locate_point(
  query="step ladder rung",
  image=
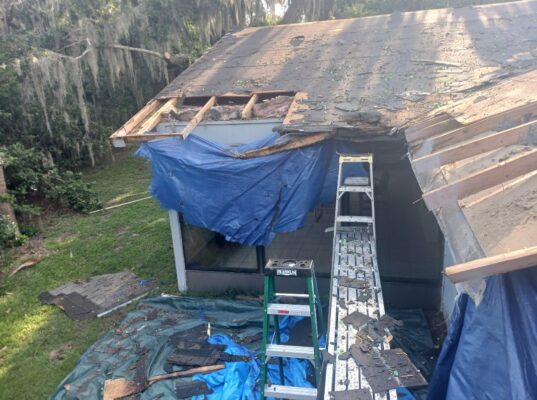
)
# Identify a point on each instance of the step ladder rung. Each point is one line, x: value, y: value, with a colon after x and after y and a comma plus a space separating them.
x: 298, y: 310
x: 282, y: 350
x: 356, y: 181
x: 362, y: 189
x: 355, y: 219
x: 297, y: 295
x: 290, y: 392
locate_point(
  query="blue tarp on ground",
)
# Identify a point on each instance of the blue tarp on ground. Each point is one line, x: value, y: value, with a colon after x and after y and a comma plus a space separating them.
x: 246, y: 200
x: 491, y: 349
x: 140, y: 343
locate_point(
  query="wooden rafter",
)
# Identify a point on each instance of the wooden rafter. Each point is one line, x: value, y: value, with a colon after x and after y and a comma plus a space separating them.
x: 247, y: 110
x: 481, y: 180
x: 154, y: 120
x: 296, y: 105
x: 474, y: 147
x: 432, y: 130
x: 494, y: 122
x: 198, y: 117
x: 427, y: 122
x: 500, y: 264
x: 141, y: 127
x: 136, y: 119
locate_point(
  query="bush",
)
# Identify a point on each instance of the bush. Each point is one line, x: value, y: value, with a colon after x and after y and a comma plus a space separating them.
x: 31, y: 177
x: 9, y: 237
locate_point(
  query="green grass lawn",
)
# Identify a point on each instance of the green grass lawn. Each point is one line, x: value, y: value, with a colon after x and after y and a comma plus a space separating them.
x: 39, y: 344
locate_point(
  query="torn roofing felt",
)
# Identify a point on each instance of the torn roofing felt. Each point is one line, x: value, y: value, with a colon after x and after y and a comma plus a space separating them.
x: 246, y: 200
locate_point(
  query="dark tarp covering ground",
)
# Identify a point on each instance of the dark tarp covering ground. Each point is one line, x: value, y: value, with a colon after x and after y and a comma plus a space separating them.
x: 491, y: 350
x: 140, y: 344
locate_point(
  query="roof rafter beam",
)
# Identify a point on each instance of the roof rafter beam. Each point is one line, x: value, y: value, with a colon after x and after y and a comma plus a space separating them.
x: 432, y: 130
x: 136, y: 119
x: 475, y: 147
x: 427, y: 122
x: 197, y: 118
x: 481, y: 180
x: 154, y: 120
x: 248, y: 108
x: 296, y: 105
x: 494, y: 122
x: 500, y: 264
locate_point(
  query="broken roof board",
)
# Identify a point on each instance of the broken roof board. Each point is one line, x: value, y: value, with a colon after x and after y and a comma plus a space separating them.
x: 484, y: 172
x: 402, y: 65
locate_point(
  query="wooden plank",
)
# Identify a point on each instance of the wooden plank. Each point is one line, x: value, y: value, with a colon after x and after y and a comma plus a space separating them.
x: 474, y: 147
x: 500, y: 264
x: 484, y: 179
x: 427, y: 122
x: 154, y: 120
x: 136, y: 119
x: 144, y: 137
x: 495, y: 122
x: 307, y: 140
x: 247, y: 110
x: 198, y: 117
x: 432, y: 130
x: 296, y: 105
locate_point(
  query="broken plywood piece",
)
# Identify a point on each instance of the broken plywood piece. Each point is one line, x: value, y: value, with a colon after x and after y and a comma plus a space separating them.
x: 98, y: 295
x: 302, y: 141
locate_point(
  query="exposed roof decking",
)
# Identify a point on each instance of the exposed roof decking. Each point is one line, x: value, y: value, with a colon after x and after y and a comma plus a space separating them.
x: 479, y: 179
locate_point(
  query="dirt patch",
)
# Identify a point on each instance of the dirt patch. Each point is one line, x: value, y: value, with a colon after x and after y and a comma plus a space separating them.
x: 59, y: 353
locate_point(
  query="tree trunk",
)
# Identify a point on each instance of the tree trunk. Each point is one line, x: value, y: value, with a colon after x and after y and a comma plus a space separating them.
x: 5, y: 207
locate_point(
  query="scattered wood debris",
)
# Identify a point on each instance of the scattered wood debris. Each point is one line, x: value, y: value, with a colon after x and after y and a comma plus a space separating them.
x: 24, y: 265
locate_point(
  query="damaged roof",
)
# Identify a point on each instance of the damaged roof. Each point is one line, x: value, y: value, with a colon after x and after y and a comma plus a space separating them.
x: 476, y: 163
x: 400, y: 66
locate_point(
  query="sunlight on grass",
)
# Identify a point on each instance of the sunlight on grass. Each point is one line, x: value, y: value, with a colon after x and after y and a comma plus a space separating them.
x: 134, y: 237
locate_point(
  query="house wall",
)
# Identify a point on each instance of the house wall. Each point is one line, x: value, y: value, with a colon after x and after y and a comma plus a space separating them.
x: 449, y: 290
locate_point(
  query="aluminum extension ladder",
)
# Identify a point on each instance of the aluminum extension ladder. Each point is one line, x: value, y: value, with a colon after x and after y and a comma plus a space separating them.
x: 354, y: 184
x: 272, y: 307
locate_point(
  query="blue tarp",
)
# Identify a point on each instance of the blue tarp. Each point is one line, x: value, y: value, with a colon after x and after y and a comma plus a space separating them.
x: 246, y: 200
x: 491, y: 349
x: 140, y: 344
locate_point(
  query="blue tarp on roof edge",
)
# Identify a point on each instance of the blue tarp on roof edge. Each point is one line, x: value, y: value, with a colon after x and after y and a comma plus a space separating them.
x: 491, y: 349
x: 246, y: 200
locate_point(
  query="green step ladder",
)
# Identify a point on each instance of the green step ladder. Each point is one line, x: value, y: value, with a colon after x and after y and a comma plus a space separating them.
x: 272, y: 307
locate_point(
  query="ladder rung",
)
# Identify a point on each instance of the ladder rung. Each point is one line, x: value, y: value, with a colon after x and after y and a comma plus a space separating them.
x: 298, y: 310
x: 282, y: 350
x: 298, y: 295
x: 290, y: 392
x: 363, y: 189
x: 356, y: 181
x: 353, y: 218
